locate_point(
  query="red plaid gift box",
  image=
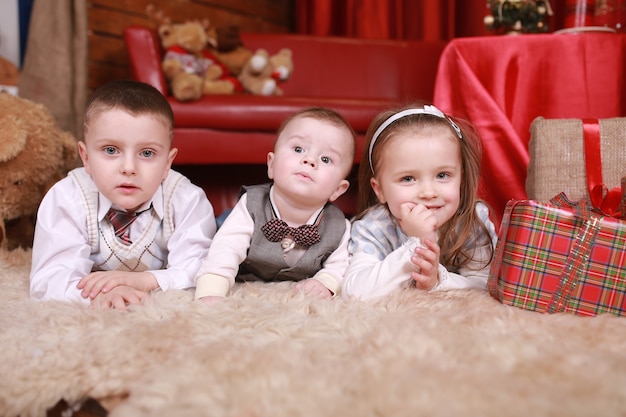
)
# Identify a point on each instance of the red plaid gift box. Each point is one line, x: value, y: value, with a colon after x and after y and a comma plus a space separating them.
x: 560, y: 257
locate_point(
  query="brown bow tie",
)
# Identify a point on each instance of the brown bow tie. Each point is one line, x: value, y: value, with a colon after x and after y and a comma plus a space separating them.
x: 276, y: 230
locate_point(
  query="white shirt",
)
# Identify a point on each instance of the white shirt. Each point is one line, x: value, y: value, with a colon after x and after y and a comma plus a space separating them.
x: 380, y: 258
x: 62, y: 252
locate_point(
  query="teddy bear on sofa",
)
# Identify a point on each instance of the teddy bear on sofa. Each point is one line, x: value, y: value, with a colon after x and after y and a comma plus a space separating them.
x: 264, y: 72
x: 204, y: 59
x: 190, y: 68
x: 34, y: 154
x: 226, y: 44
x: 258, y: 72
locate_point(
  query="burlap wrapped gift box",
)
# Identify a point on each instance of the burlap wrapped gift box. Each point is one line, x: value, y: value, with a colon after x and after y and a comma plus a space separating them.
x: 557, y: 157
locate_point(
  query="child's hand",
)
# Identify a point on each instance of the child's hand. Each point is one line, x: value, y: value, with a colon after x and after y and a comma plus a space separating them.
x: 427, y: 262
x: 118, y: 298
x: 211, y: 299
x: 104, y: 282
x: 418, y: 221
x: 314, y: 288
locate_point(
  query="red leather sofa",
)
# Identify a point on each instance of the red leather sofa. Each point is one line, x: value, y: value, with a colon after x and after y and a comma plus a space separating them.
x: 223, y: 141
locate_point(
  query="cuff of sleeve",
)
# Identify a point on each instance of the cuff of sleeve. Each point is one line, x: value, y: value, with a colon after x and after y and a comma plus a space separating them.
x: 328, y: 281
x: 210, y: 284
x: 412, y: 243
x: 443, y: 277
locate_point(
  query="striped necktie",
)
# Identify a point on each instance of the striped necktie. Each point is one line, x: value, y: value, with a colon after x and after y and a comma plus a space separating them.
x: 121, y: 221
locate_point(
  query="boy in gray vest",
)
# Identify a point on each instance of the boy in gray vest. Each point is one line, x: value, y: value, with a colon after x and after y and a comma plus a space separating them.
x: 288, y: 230
x: 125, y: 224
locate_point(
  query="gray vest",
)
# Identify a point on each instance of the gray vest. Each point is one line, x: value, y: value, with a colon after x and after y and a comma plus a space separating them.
x: 265, y: 259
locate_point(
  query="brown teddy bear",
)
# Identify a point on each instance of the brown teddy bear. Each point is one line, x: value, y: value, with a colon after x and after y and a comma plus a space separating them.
x: 263, y: 73
x: 203, y: 59
x: 34, y: 154
x: 225, y: 43
x: 190, y: 68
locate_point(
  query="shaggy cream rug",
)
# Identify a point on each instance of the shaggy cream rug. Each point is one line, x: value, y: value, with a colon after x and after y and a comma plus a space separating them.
x: 268, y: 351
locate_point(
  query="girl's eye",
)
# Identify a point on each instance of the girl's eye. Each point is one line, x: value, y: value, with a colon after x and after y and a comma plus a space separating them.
x: 325, y: 160
x: 298, y: 149
x: 407, y: 178
x: 442, y: 175
x: 147, y: 153
x: 110, y: 150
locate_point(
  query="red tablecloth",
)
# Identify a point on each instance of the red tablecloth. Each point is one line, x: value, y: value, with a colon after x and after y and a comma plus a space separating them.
x: 501, y: 83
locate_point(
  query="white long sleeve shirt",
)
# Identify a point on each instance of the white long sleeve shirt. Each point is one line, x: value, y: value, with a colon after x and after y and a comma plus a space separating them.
x: 62, y: 254
x: 380, y: 256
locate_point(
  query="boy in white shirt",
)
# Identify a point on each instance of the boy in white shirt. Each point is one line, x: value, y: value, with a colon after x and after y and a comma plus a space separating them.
x: 125, y: 224
x: 288, y: 230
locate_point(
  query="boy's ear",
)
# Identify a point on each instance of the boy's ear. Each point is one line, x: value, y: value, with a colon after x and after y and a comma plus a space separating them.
x: 342, y: 188
x: 378, y: 190
x: 84, y: 156
x: 172, y: 154
x: 270, y: 165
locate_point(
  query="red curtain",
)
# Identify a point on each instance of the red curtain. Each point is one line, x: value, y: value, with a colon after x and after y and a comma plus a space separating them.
x: 402, y: 19
x: 377, y: 19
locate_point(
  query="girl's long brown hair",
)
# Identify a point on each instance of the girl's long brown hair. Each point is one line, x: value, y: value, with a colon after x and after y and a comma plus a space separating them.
x: 457, y: 236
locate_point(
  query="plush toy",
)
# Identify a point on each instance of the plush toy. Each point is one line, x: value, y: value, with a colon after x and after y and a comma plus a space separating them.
x: 203, y: 59
x: 190, y: 68
x: 282, y: 65
x: 34, y: 154
x: 263, y: 73
x: 225, y: 43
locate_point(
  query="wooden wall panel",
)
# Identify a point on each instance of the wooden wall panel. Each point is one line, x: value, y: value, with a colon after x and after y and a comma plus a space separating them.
x: 107, y: 19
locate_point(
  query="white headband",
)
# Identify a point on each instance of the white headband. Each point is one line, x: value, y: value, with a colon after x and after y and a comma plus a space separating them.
x: 432, y: 110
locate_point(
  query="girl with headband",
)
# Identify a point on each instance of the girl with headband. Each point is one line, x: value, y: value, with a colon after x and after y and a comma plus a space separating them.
x: 420, y: 222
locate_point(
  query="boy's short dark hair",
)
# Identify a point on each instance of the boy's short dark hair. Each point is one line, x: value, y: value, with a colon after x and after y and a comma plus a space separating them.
x: 132, y: 96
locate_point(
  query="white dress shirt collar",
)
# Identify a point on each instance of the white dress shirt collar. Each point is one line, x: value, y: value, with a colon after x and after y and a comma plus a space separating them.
x: 312, y: 219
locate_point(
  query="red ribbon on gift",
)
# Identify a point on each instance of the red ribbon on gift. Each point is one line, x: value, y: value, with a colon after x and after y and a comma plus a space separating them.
x: 607, y: 201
